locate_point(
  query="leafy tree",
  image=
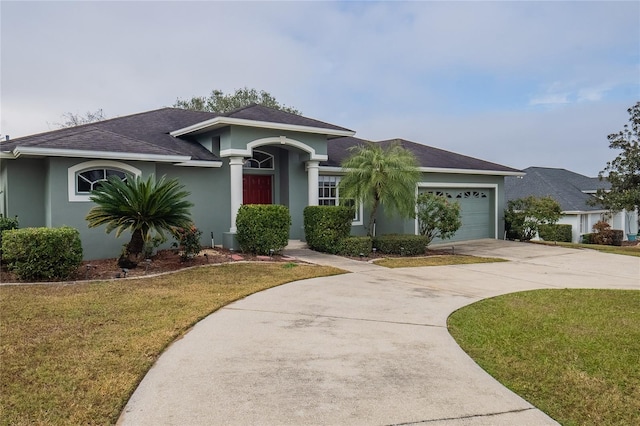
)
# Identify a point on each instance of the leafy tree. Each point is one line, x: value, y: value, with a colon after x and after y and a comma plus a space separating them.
x: 141, y: 207
x: 623, y: 172
x: 218, y: 102
x: 72, y: 120
x: 524, y: 216
x: 381, y: 176
x: 437, y: 217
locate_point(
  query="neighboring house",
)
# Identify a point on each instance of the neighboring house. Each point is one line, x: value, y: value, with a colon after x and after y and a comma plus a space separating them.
x: 252, y: 155
x: 572, y: 191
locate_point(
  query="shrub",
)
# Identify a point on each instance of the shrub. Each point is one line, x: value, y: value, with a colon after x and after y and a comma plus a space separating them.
x: 402, y: 244
x: 326, y: 226
x: 617, y: 235
x: 604, y: 235
x: 7, y: 223
x: 555, y: 233
x: 354, y: 246
x: 524, y: 216
x: 42, y: 253
x: 262, y: 227
x: 188, y: 241
x: 437, y: 217
x: 588, y: 238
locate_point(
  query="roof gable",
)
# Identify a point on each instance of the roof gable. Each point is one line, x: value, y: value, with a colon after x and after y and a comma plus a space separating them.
x: 568, y: 188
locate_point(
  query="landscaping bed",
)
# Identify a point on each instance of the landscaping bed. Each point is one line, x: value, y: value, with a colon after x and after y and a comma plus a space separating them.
x: 164, y: 261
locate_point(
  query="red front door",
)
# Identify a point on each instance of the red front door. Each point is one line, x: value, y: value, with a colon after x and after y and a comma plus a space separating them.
x: 256, y: 189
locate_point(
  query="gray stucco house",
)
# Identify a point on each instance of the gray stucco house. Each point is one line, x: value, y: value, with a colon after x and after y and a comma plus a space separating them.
x: 572, y: 191
x: 252, y: 155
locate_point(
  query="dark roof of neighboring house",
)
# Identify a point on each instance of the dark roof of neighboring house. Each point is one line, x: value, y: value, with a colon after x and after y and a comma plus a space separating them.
x: 428, y: 156
x: 566, y: 187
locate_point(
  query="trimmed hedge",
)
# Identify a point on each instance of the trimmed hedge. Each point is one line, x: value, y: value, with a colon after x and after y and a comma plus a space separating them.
x: 587, y: 239
x: 555, y: 232
x: 610, y: 237
x: 6, y: 224
x: 42, y: 253
x: 402, y: 244
x: 354, y: 246
x: 262, y: 227
x: 326, y: 226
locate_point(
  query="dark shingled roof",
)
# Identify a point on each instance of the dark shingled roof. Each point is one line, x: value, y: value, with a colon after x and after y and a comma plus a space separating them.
x: 564, y: 186
x: 428, y: 156
x: 257, y: 112
x: 143, y: 133
x: 148, y: 132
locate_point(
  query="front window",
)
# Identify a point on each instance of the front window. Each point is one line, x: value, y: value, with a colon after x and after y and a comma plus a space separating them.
x: 83, y: 178
x: 89, y: 180
x: 329, y: 195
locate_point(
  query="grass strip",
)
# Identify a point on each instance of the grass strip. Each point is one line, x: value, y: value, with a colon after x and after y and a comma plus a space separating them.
x: 575, y: 354
x: 626, y: 251
x: 448, y: 259
x: 74, y: 354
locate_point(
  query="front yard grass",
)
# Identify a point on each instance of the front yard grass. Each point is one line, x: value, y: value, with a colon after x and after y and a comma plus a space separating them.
x: 625, y: 250
x: 447, y: 259
x: 74, y: 353
x: 575, y: 354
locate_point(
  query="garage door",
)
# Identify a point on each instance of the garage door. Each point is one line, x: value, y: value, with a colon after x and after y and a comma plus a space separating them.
x: 477, y: 209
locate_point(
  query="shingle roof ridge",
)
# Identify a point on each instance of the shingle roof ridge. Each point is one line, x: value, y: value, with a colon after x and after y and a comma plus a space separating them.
x: 281, y: 111
x: 403, y: 141
x: 101, y: 122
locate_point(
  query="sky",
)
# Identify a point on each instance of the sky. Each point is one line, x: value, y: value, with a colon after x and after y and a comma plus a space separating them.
x: 516, y: 83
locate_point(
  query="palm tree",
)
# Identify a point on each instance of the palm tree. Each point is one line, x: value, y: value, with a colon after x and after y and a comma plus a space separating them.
x: 141, y: 207
x: 378, y: 175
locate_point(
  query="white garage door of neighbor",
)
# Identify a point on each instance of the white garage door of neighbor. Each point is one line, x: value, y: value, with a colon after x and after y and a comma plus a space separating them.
x: 476, y: 207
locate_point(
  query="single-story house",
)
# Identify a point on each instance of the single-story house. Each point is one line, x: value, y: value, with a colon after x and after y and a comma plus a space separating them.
x: 573, y: 191
x: 252, y: 155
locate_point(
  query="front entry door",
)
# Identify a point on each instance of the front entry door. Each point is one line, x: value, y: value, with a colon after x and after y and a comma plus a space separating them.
x: 256, y: 189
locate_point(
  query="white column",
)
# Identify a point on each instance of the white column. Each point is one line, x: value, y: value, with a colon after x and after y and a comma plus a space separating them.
x: 235, y: 168
x: 312, y: 172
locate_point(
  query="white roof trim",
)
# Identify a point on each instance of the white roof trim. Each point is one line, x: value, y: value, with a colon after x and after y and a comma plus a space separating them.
x: 469, y: 171
x: 274, y: 140
x: 335, y: 169
x: 200, y: 163
x: 105, y: 155
x: 572, y: 212
x: 218, y: 122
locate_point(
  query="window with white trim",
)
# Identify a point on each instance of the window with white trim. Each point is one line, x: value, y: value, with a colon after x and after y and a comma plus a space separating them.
x: 259, y: 160
x: 329, y: 195
x: 89, y: 180
x: 85, y: 177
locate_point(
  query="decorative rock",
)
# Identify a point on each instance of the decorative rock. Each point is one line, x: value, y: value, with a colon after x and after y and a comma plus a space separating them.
x: 236, y: 257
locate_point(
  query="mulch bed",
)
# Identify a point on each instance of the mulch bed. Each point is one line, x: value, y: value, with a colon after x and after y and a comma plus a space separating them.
x: 163, y: 261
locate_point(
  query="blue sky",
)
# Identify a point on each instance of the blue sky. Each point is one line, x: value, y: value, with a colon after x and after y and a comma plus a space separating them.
x: 516, y: 83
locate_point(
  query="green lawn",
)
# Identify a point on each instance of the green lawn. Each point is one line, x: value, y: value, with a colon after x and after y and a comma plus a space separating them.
x: 73, y: 354
x: 407, y: 262
x: 627, y: 251
x: 575, y: 354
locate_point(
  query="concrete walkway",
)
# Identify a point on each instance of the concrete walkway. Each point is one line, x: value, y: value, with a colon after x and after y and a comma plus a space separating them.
x: 369, y: 347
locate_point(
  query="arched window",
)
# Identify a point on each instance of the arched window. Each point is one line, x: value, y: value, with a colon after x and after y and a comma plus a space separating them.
x: 260, y: 160
x: 85, y: 177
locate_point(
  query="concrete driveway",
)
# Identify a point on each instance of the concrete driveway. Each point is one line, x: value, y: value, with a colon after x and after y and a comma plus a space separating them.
x: 369, y: 347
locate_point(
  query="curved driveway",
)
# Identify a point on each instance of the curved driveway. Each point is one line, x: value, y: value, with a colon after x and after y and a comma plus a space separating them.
x: 366, y: 348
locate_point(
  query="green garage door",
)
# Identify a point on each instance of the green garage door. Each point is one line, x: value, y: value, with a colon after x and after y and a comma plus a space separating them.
x: 477, y: 207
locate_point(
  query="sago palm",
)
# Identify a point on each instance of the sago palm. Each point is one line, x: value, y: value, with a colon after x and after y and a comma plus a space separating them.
x: 377, y: 175
x: 139, y: 206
